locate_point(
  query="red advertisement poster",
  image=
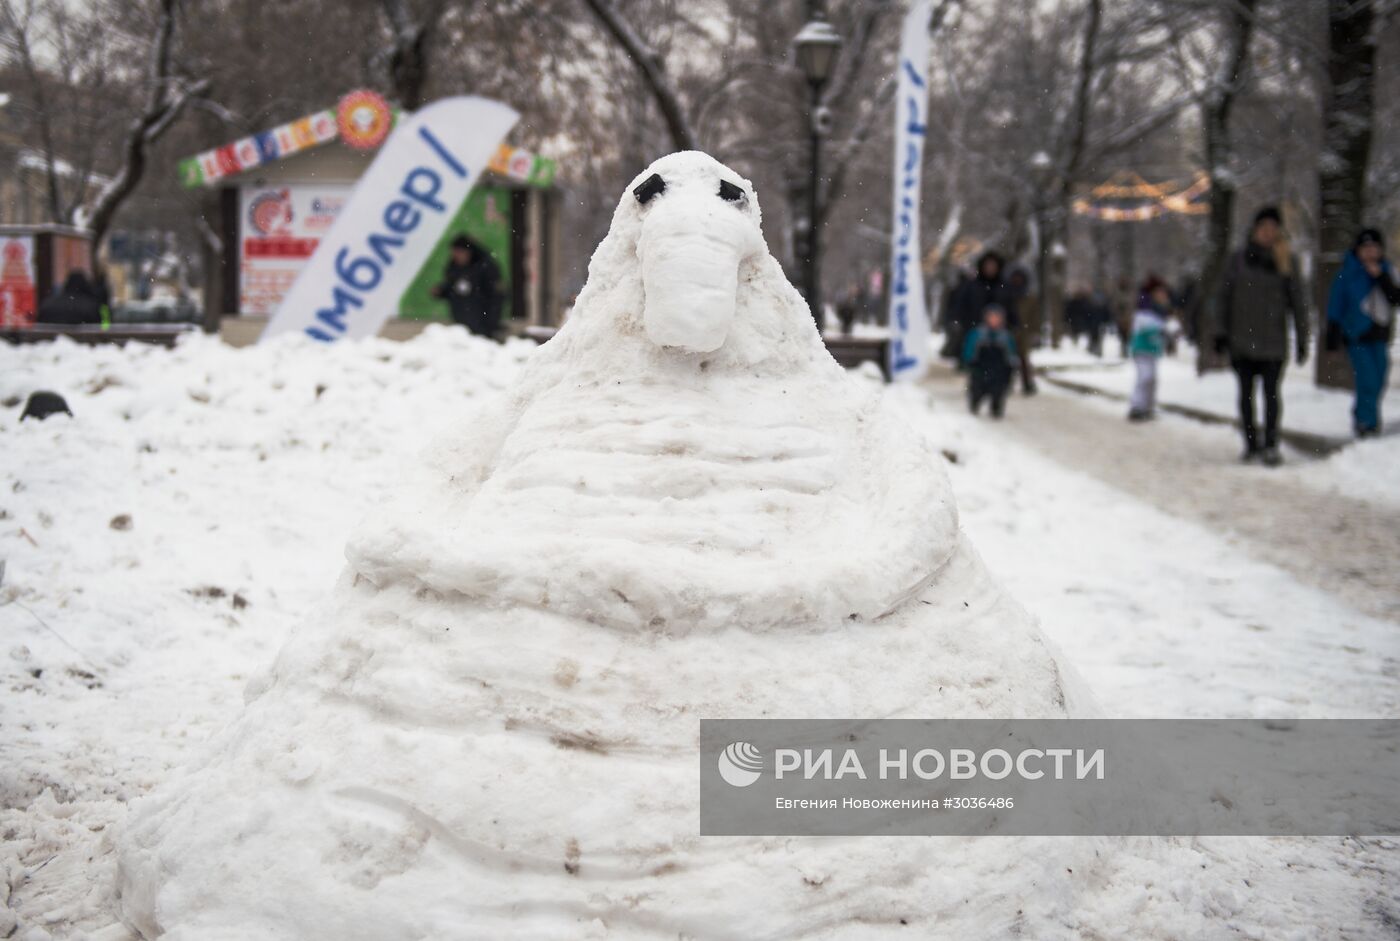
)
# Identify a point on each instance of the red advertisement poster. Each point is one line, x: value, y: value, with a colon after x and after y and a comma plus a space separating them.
x: 17, y: 300
x: 279, y: 229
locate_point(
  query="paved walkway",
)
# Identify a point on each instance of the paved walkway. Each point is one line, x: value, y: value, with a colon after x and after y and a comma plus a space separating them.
x: 1341, y: 545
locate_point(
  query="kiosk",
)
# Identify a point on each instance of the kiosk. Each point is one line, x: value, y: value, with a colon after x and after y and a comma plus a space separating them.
x: 272, y: 196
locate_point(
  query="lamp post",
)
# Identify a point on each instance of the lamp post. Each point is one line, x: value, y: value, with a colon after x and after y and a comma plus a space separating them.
x: 1042, y: 174
x: 816, y: 45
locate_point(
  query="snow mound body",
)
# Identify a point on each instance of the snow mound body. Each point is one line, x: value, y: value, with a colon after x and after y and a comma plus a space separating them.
x: 491, y: 725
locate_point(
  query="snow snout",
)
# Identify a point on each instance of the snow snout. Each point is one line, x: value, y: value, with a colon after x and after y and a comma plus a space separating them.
x: 690, y: 251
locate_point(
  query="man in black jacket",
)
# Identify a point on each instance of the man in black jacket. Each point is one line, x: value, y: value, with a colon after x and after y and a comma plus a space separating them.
x: 976, y: 295
x: 471, y: 286
x: 76, y: 302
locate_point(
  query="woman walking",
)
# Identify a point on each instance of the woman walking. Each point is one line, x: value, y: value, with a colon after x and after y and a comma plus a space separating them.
x: 1258, y: 298
x: 1362, y: 306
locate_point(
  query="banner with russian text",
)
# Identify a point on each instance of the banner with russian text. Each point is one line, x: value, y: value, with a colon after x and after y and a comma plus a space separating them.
x: 392, y: 220
x: 909, y: 326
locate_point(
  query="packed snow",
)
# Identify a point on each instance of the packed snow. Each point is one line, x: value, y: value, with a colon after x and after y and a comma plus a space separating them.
x: 456, y: 709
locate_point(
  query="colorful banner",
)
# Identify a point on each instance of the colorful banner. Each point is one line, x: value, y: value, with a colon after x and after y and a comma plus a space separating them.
x: 522, y: 166
x: 279, y: 228
x: 367, y: 118
x: 394, y: 217
x: 248, y: 152
x: 909, y: 326
x: 17, y: 289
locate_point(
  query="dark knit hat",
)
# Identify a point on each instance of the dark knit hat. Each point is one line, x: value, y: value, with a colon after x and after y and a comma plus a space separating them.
x: 1268, y: 212
x: 1368, y: 237
x: 43, y: 404
x: 1152, y: 284
x: 462, y: 241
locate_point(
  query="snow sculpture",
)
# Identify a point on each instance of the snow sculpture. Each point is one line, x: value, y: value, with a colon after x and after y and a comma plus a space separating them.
x: 683, y: 509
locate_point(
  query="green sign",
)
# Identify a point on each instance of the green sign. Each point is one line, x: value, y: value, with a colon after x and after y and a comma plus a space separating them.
x: 485, y: 219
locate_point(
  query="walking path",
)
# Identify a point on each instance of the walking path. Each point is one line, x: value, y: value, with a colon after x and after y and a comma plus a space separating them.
x: 1341, y: 545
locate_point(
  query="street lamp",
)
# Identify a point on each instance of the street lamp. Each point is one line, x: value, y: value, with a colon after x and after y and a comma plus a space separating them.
x: 1042, y: 175
x: 816, y: 45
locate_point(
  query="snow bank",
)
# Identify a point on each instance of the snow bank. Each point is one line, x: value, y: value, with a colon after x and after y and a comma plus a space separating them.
x: 1365, y: 470
x: 159, y: 546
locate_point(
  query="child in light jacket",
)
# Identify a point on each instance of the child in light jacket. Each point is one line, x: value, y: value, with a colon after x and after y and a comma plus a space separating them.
x: 1148, y: 343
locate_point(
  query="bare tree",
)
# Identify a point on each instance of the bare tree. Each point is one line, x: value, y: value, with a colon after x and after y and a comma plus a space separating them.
x: 652, y: 69
x: 1053, y: 206
x: 166, y: 96
x: 1348, y: 107
x: 1217, y: 99
x: 68, y: 104
x: 407, y: 55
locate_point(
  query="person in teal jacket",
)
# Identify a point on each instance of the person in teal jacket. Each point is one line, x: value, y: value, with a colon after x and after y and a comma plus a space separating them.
x: 989, y: 353
x: 1147, y: 345
x: 1361, y: 307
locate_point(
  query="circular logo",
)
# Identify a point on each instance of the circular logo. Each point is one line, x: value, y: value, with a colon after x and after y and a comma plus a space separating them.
x: 740, y: 764
x: 364, y: 119
x: 271, y: 212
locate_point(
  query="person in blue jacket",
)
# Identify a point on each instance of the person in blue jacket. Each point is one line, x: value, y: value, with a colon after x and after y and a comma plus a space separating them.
x: 989, y: 354
x: 1362, y: 307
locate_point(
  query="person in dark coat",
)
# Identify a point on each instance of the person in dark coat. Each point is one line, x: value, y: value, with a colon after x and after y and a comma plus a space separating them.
x: 471, y: 285
x: 76, y: 302
x: 1258, y: 299
x: 1078, y: 313
x: 951, y: 335
x: 1024, y: 317
x: 1100, y: 316
x: 1362, y: 306
x: 989, y: 353
x: 974, y: 297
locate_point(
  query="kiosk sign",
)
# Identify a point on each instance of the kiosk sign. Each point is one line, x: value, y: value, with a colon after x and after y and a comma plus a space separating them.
x: 392, y: 220
x: 17, y: 290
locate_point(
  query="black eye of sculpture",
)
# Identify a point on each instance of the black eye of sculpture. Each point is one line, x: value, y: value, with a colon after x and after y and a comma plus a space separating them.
x: 728, y: 191
x: 650, y: 188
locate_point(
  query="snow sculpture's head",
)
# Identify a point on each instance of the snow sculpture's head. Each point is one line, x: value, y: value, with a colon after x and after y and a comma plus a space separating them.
x: 699, y: 224
x: 684, y: 280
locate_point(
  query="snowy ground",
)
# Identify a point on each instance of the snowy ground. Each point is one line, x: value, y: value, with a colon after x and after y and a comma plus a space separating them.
x: 1364, y: 469
x: 160, y: 545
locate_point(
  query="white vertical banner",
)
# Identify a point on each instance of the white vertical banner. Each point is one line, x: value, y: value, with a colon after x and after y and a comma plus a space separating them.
x: 393, y: 220
x: 909, y: 327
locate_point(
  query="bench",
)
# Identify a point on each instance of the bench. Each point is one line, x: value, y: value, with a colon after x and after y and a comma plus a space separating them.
x: 160, y: 334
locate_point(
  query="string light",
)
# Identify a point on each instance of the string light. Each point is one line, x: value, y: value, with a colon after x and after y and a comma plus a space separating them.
x: 1163, y: 198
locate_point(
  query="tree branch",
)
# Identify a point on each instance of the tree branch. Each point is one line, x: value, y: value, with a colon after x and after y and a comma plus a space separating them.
x: 653, y: 72
x: 161, y: 109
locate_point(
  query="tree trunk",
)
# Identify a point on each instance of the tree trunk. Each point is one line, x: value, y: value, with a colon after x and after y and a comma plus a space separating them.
x: 1348, y: 113
x: 408, y: 50
x: 1053, y: 211
x: 1215, y: 121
